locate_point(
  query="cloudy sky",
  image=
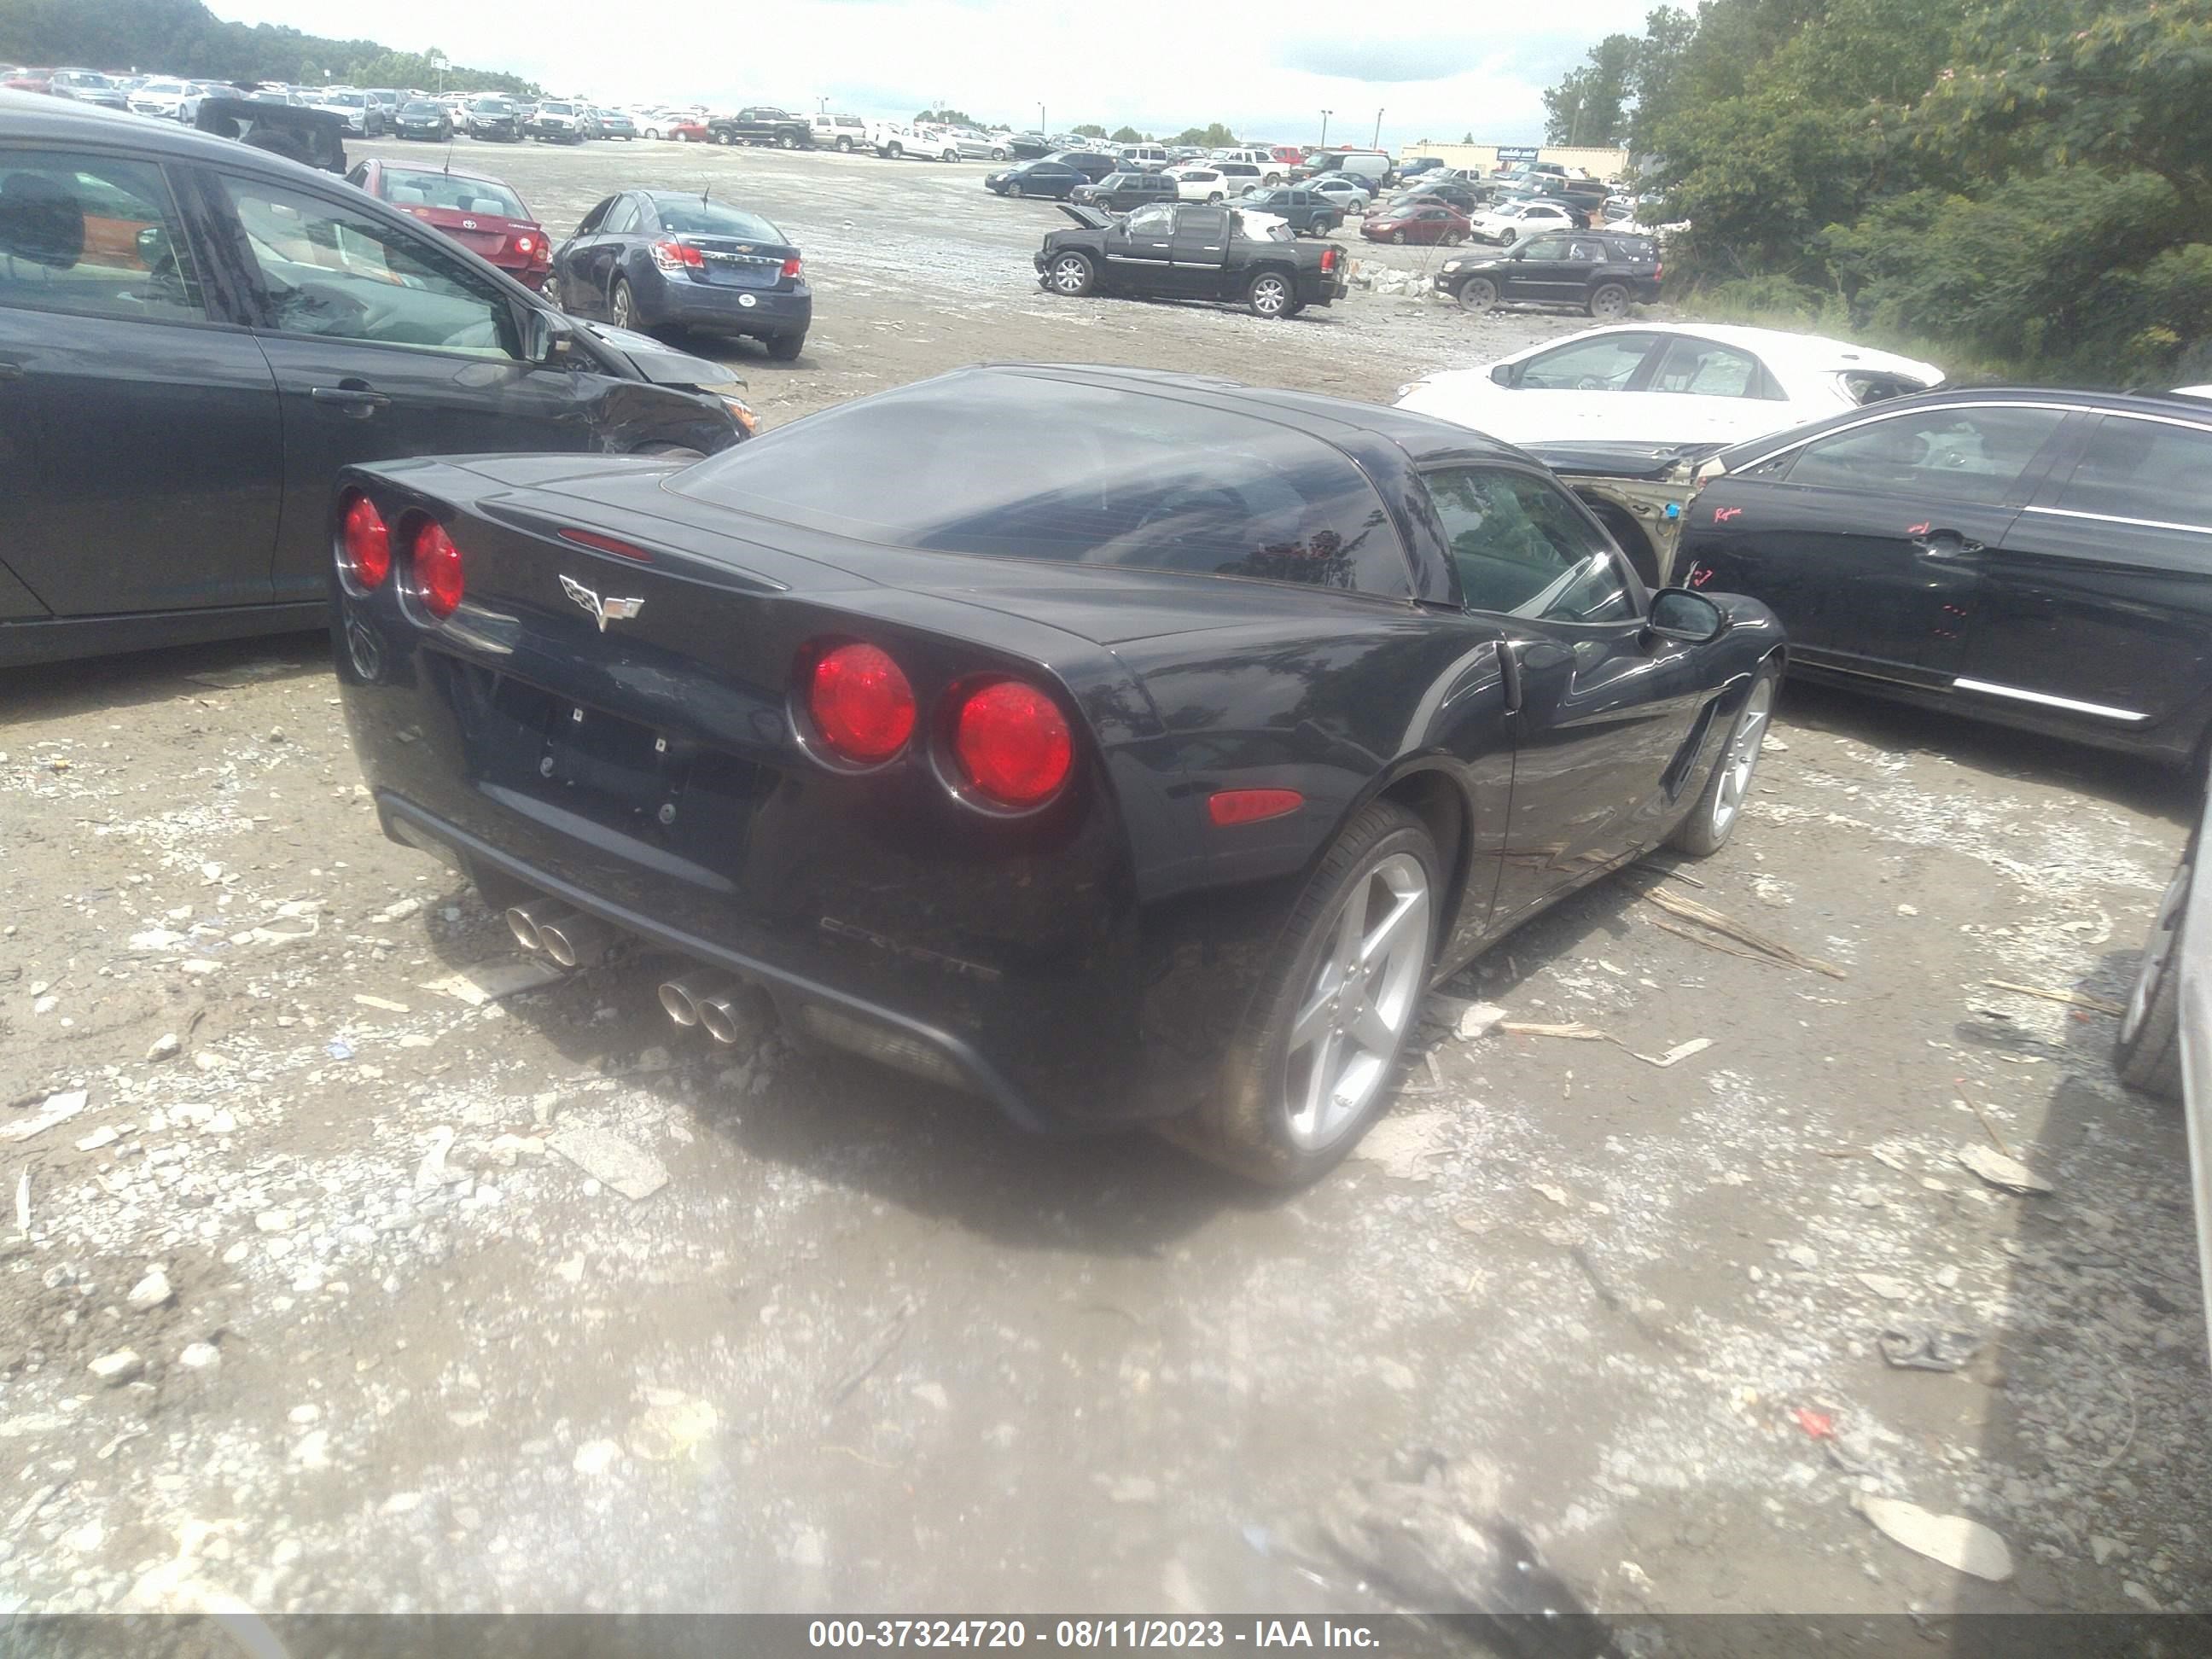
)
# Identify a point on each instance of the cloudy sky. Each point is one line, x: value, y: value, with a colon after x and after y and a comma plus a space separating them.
x: 1268, y: 69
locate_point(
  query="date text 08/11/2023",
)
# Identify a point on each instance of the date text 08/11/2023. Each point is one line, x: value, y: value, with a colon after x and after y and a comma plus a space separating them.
x: 1091, y: 1633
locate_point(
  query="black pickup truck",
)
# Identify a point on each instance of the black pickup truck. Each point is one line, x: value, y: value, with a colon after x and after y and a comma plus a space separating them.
x: 1188, y: 252
x: 762, y: 125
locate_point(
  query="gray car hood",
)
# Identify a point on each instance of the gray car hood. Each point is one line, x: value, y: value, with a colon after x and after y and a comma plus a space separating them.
x: 657, y: 363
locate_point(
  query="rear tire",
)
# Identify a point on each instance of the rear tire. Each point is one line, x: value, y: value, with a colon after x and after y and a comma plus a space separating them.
x: 621, y: 306
x: 1271, y: 295
x: 2148, y: 1050
x: 1720, y: 803
x: 1355, y: 953
x: 785, y: 348
x: 785, y: 141
x: 1609, y: 302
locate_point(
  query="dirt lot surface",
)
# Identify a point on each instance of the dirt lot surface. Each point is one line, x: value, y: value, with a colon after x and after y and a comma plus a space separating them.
x: 303, y: 1305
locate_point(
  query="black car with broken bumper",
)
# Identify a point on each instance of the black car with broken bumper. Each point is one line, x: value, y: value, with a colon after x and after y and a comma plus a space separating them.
x: 1132, y: 748
x: 1188, y: 252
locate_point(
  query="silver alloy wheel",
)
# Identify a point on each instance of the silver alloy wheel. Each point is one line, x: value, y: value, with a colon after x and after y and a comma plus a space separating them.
x: 1014, y: 187
x: 622, y: 308
x: 1742, y: 757
x: 1609, y: 302
x: 1478, y: 294
x: 1070, y: 274
x: 2165, y: 930
x: 1364, y: 995
x: 1270, y: 296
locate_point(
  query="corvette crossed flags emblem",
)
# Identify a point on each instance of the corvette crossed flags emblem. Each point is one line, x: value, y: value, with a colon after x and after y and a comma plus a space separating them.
x: 606, y: 611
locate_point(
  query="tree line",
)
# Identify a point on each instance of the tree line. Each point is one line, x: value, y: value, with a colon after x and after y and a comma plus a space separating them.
x: 183, y: 37
x: 2025, y: 185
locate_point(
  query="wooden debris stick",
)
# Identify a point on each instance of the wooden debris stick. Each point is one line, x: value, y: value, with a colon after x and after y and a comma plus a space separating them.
x: 1577, y: 1033
x: 1713, y: 943
x: 2079, y: 999
x: 1705, y: 916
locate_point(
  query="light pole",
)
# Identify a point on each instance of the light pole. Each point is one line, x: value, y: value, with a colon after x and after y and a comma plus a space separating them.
x: 1042, y: 130
x: 1377, y: 144
x: 1325, y: 114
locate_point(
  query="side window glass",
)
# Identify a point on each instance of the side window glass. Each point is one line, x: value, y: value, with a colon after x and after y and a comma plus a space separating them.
x: 96, y: 235
x: 1547, y: 247
x: 330, y: 271
x: 622, y: 221
x: 1703, y: 369
x: 1152, y: 221
x: 1950, y: 453
x: 1604, y: 364
x: 2144, y: 469
x: 1521, y: 549
x: 592, y: 220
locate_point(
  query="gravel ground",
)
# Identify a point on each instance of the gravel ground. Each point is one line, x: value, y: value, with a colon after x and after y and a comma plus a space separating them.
x: 305, y: 1306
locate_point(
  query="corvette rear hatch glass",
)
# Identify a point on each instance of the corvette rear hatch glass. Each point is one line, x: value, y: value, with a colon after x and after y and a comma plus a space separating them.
x: 1020, y: 466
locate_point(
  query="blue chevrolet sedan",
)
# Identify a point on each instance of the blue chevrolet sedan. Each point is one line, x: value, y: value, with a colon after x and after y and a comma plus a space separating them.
x: 664, y: 258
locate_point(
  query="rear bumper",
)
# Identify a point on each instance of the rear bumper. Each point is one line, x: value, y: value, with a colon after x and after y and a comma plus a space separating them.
x: 723, y: 310
x: 795, y: 993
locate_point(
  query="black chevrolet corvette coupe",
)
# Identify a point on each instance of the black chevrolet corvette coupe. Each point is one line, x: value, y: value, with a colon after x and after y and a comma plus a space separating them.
x: 1119, y: 745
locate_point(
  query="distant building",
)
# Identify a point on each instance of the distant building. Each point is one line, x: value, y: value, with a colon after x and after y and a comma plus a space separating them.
x: 1486, y: 158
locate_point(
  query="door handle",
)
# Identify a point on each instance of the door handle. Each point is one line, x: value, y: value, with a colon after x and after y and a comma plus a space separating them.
x: 1946, y: 544
x: 357, y: 401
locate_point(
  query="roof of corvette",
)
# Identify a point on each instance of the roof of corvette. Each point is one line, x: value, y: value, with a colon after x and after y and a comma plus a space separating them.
x: 1422, y: 437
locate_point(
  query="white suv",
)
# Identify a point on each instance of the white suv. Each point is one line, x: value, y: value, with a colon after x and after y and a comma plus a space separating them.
x: 1214, y: 181
x: 1271, y: 170
x: 845, y: 132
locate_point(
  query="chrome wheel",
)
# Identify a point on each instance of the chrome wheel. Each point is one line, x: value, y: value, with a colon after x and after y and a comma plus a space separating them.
x: 1742, y: 757
x: 1071, y: 275
x: 1271, y: 297
x: 622, y: 308
x: 2165, y: 929
x: 1363, y: 999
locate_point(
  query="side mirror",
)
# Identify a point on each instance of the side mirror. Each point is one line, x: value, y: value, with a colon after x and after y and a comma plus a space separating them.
x: 1680, y: 613
x: 545, y: 336
x: 1503, y: 373
x: 153, y: 246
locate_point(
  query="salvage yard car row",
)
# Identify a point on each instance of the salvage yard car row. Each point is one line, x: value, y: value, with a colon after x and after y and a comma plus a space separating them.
x: 1606, y: 550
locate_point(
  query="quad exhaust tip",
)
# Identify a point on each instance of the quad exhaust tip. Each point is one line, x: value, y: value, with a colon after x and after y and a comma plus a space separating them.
x: 726, y: 1009
x: 550, y: 928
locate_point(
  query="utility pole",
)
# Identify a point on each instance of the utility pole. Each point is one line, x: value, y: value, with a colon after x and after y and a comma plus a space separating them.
x: 1377, y: 144
x: 1325, y: 114
x: 1043, y: 131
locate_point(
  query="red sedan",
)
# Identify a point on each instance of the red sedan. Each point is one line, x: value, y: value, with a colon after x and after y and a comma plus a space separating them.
x: 1417, y: 224
x: 477, y: 211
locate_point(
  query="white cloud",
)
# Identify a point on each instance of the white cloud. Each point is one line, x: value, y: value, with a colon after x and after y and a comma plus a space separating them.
x: 1267, y: 70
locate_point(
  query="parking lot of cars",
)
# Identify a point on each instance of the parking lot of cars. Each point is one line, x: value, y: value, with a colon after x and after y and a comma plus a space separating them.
x: 1642, y: 1288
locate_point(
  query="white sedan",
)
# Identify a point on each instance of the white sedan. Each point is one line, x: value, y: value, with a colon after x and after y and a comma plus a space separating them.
x: 1665, y: 383
x: 1510, y: 221
x: 1344, y: 190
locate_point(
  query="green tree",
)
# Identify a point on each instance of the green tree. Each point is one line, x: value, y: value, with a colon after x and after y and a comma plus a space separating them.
x: 1589, y: 105
x: 1656, y: 77
x: 1127, y: 136
x: 1211, y: 137
x: 1089, y: 130
x: 948, y: 117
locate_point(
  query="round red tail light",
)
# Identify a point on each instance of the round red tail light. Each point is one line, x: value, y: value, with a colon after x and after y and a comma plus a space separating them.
x: 1013, y: 743
x: 438, y: 582
x: 367, y: 555
x: 861, y: 703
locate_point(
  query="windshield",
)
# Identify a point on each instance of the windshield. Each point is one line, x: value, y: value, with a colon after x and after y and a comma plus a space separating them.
x: 495, y: 106
x: 687, y: 215
x: 1024, y: 466
x: 408, y: 187
x: 557, y: 109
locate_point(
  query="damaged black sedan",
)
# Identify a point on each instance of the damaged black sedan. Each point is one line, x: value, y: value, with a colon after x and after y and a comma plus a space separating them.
x: 195, y: 335
x: 1135, y: 748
